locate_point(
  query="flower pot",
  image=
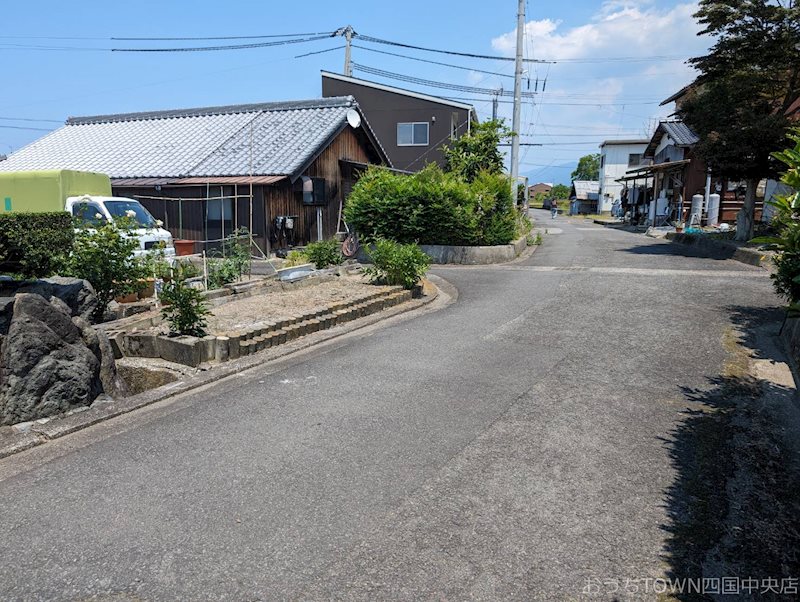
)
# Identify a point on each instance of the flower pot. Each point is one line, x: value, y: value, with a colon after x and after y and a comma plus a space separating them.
x: 149, y: 289
x: 184, y: 247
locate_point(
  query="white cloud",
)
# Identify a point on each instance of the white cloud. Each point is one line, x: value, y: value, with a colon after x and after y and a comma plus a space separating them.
x: 618, y: 29
x: 626, y: 92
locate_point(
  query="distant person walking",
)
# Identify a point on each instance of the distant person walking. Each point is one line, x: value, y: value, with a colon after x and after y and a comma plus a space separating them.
x: 553, y: 208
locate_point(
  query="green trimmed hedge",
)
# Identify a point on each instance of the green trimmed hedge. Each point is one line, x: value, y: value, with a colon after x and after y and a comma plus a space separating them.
x: 35, y: 245
x: 432, y: 207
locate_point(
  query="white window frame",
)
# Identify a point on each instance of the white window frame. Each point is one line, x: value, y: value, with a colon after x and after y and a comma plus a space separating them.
x: 412, y: 124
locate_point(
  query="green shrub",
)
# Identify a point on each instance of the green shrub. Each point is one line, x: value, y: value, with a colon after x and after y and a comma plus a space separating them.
x: 478, y: 151
x: 432, y: 207
x: 185, y: 307
x: 229, y: 262
x: 35, y: 245
x: 103, y: 255
x: 396, y: 264
x: 787, y: 222
x: 156, y: 264
x: 295, y: 258
x: 498, y: 217
x: 324, y: 253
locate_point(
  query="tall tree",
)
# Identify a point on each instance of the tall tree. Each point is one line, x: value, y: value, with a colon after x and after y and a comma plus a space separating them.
x: 477, y: 151
x: 747, y: 81
x: 588, y: 168
x: 559, y: 192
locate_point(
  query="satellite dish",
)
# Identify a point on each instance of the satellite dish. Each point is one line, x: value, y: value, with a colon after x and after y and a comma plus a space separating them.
x: 353, y: 118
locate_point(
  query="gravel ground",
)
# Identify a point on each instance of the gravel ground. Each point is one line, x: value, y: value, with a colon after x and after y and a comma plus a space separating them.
x: 250, y: 311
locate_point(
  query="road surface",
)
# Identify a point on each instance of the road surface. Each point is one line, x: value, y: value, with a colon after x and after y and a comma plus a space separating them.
x: 514, y: 444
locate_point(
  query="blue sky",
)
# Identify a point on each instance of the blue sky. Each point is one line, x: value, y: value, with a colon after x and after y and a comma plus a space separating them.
x: 605, y: 83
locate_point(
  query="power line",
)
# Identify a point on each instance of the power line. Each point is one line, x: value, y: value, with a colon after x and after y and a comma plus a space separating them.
x: 605, y: 59
x: 627, y: 59
x: 299, y: 56
x: 29, y: 119
x: 450, y: 52
x: 226, y: 47
x: 276, y: 35
x: 414, y: 58
x: 19, y: 127
x: 432, y: 83
x: 567, y: 104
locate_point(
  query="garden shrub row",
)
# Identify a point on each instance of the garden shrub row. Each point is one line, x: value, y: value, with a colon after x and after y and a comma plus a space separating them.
x: 433, y: 207
x: 35, y: 245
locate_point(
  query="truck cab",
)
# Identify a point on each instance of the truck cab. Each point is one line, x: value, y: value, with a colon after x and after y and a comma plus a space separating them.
x: 99, y: 210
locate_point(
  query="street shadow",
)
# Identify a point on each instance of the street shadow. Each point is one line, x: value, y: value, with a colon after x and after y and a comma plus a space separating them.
x: 734, y: 506
x: 677, y: 250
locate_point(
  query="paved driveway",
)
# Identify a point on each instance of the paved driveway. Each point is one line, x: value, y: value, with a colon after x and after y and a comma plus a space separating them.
x: 510, y: 445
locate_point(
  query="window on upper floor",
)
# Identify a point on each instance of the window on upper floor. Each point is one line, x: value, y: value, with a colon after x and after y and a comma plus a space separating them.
x: 412, y: 134
x: 602, y: 161
x: 634, y: 159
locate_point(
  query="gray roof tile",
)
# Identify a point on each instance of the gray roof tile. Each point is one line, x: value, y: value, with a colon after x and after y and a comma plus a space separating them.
x: 681, y: 133
x: 190, y: 142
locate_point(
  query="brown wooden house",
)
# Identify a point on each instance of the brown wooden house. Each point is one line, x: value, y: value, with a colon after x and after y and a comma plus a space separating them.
x: 674, y: 173
x: 207, y: 172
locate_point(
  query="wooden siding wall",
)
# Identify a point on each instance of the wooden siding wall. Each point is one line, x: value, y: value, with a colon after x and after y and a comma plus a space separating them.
x: 345, y: 146
x: 268, y: 201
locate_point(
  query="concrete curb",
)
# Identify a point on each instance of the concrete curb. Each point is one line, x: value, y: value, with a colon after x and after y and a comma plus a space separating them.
x: 41, y: 431
x: 194, y: 351
x: 466, y: 255
x: 463, y: 255
x: 721, y: 248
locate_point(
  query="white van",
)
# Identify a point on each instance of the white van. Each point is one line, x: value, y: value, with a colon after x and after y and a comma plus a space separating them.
x: 97, y: 210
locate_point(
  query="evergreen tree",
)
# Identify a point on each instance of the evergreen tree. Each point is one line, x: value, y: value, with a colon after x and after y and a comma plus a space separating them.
x: 588, y: 168
x: 747, y: 81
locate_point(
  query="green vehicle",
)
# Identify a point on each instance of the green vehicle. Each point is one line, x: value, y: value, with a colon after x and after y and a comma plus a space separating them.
x: 85, y: 195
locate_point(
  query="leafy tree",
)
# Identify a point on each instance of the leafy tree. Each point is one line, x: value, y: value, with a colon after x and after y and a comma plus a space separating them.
x: 103, y: 255
x: 559, y: 192
x: 588, y: 168
x: 747, y: 81
x: 787, y: 222
x: 477, y: 151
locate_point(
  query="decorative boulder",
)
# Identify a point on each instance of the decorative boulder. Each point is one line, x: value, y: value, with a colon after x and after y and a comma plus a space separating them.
x: 47, y: 366
x: 77, y: 294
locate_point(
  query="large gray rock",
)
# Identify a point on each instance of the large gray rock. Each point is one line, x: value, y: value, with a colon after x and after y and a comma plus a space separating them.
x: 77, y: 294
x: 6, y: 311
x: 47, y: 367
x: 98, y: 343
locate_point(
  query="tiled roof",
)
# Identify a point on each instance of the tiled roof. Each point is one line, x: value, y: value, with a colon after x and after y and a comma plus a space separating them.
x: 258, y: 139
x: 680, y: 133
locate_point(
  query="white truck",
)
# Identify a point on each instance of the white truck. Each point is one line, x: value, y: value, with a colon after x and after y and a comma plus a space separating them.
x: 85, y: 195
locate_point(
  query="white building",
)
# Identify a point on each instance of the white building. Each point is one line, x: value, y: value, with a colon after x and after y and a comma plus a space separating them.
x: 616, y: 158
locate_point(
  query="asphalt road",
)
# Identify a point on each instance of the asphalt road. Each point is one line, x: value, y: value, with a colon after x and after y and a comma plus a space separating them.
x: 511, y: 445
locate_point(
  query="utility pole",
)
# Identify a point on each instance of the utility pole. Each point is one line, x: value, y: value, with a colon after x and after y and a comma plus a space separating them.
x: 348, y: 63
x: 494, y: 106
x: 515, y: 126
